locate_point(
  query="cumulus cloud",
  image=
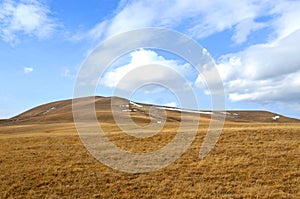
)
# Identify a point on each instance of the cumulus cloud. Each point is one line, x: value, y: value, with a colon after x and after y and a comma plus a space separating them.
x: 264, y: 73
x: 27, y: 17
x: 28, y: 70
x: 147, y: 67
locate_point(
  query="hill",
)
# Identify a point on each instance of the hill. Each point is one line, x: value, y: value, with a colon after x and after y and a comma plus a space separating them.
x: 61, y: 111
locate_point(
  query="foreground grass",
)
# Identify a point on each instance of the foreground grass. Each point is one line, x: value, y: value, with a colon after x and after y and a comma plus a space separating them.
x: 249, y: 161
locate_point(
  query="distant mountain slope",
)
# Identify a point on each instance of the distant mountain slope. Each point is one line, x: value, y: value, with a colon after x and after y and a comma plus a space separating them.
x: 61, y: 111
x: 259, y: 116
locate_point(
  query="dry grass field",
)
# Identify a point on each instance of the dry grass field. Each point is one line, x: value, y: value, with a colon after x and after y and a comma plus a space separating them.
x: 42, y: 156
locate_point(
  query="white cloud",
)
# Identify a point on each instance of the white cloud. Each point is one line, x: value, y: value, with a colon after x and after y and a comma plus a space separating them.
x: 221, y: 15
x: 146, y: 66
x: 244, y: 29
x: 28, y: 17
x: 264, y: 73
x: 28, y: 70
x: 199, y: 18
x: 67, y: 73
x: 286, y: 23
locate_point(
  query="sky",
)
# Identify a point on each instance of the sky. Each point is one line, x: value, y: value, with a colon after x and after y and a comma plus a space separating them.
x: 254, y: 44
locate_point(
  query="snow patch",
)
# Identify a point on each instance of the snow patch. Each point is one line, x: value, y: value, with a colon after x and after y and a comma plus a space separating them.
x: 135, y: 104
x: 275, y: 117
x: 50, y: 109
x: 186, y: 111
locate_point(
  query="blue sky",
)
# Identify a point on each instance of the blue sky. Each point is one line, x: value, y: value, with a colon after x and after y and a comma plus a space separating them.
x: 255, y: 45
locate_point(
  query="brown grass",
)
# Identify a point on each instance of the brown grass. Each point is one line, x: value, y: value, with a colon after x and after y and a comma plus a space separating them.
x: 250, y: 161
x: 41, y: 158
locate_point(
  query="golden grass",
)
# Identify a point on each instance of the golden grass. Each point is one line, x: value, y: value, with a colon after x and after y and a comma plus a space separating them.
x: 250, y: 160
